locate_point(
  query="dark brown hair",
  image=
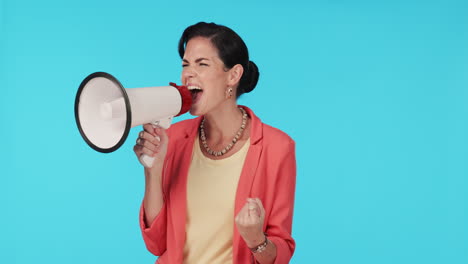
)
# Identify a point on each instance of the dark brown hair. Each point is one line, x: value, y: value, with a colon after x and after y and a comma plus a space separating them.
x: 231, y: 49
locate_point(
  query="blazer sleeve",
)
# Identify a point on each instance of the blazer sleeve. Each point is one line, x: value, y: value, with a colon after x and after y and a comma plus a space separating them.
x: 155, y: 235
x: 279, y: 226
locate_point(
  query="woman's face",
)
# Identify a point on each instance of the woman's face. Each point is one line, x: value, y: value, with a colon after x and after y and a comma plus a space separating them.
x: 205, y: 75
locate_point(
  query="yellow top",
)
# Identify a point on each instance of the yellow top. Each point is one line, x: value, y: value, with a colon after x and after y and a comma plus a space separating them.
x: 211, y: 192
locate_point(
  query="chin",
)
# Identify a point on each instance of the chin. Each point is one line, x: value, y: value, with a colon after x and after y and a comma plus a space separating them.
x: 195, y: 112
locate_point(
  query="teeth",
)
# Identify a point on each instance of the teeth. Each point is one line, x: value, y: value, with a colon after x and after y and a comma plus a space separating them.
x: 191, y: 87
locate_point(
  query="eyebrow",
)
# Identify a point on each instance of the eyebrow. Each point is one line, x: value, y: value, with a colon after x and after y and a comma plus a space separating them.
x: 196, y: 61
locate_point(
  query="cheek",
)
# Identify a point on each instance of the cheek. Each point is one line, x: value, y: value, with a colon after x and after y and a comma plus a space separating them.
x: 215, y: 81
x: 219, y: 78
x: 219, y: 85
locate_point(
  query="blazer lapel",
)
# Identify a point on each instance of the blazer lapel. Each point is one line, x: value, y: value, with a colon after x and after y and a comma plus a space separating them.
x: 247, y: 176
x: 178, y: 192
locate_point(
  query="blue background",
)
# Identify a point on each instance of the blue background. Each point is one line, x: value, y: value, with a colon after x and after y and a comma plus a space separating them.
x: 375, y: 93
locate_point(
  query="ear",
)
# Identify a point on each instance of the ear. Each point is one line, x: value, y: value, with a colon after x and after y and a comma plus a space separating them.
x: 235, y: 74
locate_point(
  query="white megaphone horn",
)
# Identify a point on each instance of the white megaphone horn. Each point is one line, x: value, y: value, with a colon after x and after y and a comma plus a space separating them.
x: 105, y: 111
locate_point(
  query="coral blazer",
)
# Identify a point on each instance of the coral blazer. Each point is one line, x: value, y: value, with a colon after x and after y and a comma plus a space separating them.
x: 269, y: 173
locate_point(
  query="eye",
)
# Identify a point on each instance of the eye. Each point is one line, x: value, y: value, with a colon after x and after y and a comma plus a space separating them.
x: 203, y: 64
x: 184, y: 65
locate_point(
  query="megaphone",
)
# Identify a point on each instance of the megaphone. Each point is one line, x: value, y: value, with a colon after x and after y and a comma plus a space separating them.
x: 105, y: 111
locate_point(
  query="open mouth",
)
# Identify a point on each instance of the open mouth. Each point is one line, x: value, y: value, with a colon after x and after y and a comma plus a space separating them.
x: 195, y: 91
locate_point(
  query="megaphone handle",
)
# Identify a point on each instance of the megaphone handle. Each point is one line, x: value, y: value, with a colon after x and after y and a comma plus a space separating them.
x: 146, y: 160
x: 164, y: 123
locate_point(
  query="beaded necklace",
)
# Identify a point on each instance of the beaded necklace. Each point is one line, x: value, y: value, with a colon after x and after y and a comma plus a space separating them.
x: 231, y: 144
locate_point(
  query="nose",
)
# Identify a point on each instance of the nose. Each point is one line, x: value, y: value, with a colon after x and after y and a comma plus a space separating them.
x: 187, y: 74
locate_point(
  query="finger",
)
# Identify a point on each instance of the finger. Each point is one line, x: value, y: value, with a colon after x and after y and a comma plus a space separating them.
x: 246, y: 217
x: 149, y: 128
x: 140, y: 150
x: 252, y: 206
x: 254, y: 209
x: 161, y: 133
x: 242, y: 213
x: 147, y: 141
x: 260, y: 205
x: 142, y: 136
x: 147, y: 144
x: 146, y: 136
x: 137, y: 150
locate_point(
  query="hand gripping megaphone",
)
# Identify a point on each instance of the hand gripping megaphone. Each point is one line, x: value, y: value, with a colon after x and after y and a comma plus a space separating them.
x: 105, y: 111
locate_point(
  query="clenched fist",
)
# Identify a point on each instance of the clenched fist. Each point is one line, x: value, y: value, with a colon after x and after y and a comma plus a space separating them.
x: 249, y: 222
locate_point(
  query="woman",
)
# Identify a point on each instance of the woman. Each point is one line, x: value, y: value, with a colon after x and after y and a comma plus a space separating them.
x: 221, y: 189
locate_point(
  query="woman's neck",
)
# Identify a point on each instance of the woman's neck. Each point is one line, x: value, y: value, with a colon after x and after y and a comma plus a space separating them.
x: 222, y: 124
